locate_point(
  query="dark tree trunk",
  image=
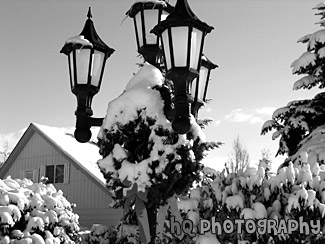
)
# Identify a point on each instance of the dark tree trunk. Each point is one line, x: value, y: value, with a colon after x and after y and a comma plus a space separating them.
x: 152, y: 218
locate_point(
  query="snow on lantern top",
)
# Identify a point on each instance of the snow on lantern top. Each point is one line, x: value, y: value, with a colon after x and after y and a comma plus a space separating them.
x: 136, y: 7
x: 88, y: 37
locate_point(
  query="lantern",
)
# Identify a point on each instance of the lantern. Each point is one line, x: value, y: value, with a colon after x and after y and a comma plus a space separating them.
x: 182, y: 35
x: 87, y: 55
x: 147, y: 15
x: 200, y: 85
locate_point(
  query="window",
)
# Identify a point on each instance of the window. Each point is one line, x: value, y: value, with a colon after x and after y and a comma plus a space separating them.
x: 55, y: 173
x: 31, y: 174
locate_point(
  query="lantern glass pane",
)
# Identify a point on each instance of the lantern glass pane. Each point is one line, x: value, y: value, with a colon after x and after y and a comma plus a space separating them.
x: 96, y: 69
x: 71, y: 69
x: 180, y: 43
x: 196, y: 41
x: 139, y: 28
x: 193, y: 88
x: 164, y: 15
x: 82, y: 62
x: 151, y: 17
x: 165, y: 42
x: 202, y: 82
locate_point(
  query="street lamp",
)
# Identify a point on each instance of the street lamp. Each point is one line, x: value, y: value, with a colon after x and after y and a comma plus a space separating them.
x: 146, y: 15
x: 200, y: 85
x: 182, y: 35
x: 87, y: 55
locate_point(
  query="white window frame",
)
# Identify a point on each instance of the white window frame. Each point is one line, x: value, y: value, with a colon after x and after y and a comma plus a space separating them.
x: 66, y: 172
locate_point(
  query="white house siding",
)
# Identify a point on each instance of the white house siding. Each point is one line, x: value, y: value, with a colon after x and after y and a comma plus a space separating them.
x: 92, y: 202
x: 36, y: 152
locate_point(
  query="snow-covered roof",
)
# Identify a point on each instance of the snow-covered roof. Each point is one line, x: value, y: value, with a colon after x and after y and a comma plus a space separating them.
x: 85, y: 155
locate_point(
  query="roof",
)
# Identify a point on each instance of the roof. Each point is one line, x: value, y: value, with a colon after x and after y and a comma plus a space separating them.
x: 83, y: 156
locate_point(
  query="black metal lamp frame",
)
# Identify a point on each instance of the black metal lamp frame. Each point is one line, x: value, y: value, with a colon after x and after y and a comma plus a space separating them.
x: 86, y: 92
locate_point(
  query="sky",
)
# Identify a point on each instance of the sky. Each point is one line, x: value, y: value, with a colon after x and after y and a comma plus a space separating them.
x: 253, y: 42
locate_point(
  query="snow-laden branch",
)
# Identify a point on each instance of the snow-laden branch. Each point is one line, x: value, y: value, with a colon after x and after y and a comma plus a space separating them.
x: 304, y: 82
x: 304, y: 39
x: 305, y: 60
x: 316, y: 37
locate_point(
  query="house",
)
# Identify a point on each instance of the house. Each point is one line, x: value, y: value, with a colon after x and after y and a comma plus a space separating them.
x: 69, y: 165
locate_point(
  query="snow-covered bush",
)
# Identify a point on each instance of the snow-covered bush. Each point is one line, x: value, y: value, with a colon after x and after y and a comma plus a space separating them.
x: 120, y: 234
x: 35, y: 213
x: 296, y: 193
x: 100, y: 234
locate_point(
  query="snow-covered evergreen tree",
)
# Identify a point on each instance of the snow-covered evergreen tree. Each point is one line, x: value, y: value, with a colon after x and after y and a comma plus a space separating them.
x: 295, y: 121
x: 298, y: 119
x: 144, y: 161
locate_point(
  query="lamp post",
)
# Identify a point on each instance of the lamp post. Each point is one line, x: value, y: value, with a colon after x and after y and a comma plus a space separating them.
x: 87, y: 55
x: 146, y: 15
x: 200, y: 85
x: 182, y: 35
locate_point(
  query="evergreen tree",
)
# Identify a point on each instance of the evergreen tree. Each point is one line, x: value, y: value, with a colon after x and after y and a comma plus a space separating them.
x: 292, y: 123
x: 145, y: 163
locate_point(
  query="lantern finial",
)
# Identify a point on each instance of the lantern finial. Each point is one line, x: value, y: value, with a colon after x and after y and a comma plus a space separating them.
x: 89, y: 15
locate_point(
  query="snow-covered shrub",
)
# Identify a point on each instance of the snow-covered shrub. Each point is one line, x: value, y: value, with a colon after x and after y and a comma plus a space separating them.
x: 101, y: 234
x: 120, y: 234
x: 296, y: 192
x: 35, y: 213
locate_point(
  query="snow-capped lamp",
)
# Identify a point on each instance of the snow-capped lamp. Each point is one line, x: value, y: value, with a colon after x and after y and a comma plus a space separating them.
x: 200, y: 85
x: 146, y: 15
x: 87, y: 55
x: 182, y: 35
